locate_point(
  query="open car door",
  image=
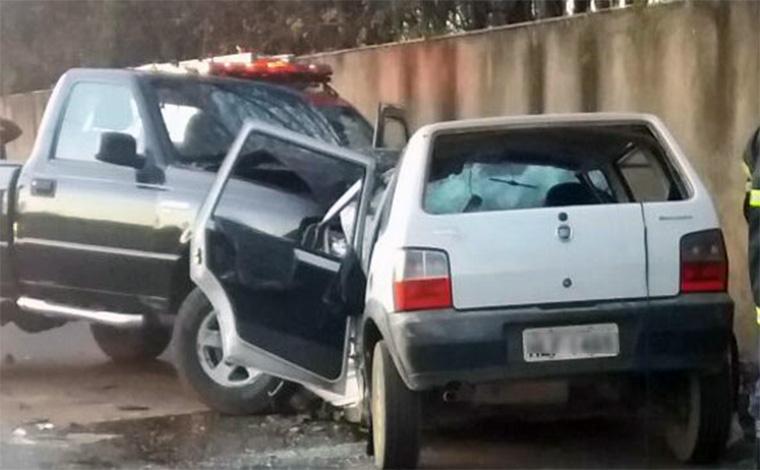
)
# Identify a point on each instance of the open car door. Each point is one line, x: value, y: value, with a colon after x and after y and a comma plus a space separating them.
x: 391, y: 128
x: 275, y: 249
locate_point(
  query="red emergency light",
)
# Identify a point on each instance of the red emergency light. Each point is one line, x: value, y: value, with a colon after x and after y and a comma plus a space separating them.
x: 273, y: 69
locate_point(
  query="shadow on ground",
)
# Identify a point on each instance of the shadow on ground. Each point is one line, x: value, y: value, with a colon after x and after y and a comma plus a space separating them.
x: 207, y: 440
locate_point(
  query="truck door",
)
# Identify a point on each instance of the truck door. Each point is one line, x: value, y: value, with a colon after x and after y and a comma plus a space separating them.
x: 86, y: 221
x: 391, y: 128
x: 275, y: 249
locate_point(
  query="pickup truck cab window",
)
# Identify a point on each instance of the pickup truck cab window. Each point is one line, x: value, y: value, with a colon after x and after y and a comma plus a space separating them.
x: 91, y: 110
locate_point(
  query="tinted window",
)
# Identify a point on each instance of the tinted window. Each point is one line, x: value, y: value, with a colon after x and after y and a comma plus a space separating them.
x: 91, y: 110
x: 547, y: 167
x: 283, y: 190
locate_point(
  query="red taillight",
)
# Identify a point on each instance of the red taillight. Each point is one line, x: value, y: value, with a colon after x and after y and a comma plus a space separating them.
x: 421, y: 280
x: 704, y: 265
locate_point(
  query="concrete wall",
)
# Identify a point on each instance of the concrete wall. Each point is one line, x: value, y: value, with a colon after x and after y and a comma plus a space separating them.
x: 694, y: 64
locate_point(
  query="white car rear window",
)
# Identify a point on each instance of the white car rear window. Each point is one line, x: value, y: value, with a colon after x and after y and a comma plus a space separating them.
x: 547, y: 167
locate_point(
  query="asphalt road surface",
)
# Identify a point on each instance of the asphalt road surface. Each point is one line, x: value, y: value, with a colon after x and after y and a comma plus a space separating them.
x: 63, y: 405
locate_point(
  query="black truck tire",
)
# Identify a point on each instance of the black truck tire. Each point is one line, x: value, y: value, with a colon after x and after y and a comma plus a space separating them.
x: 125, y: 345
x: 264, y: 394
x: 395, y: 414
x: 701, y: 433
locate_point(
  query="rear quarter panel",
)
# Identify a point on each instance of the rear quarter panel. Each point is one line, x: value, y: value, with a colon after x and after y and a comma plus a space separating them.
x: 667, y: 222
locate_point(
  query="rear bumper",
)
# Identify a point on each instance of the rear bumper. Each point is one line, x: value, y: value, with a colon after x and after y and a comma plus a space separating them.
x: 434, y: 348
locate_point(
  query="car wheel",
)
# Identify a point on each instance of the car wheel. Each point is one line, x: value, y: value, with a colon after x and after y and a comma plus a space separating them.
x: 228, y: 388
x: 698, y: 428
x: 395, y: 414
x: 131, y: 344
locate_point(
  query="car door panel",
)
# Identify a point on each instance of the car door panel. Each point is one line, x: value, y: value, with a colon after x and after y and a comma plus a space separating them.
x: 262, y: 262
x: 267, y: 272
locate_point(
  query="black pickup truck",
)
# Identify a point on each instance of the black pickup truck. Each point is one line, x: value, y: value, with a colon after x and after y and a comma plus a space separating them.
x: 95, y: 225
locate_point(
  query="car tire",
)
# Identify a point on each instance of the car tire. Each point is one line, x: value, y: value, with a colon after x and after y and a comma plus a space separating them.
x: 237, y: 394
x: 699, y: 434
x: 125, y: 345
x: 395, y: 414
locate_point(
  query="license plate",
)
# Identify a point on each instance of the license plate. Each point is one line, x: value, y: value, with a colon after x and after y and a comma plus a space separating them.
x: 560, y: 343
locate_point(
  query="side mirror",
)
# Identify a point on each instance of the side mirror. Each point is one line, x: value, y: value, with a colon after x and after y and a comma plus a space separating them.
x: 119, y: 149
x: 391, y: 129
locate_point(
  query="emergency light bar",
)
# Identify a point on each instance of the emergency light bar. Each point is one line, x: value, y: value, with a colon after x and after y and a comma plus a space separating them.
x: 278, y: 68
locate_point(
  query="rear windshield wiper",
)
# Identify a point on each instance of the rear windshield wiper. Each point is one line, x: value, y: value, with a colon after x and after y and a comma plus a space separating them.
x: 513, y: 182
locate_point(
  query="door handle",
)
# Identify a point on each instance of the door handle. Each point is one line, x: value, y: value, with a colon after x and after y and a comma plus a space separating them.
x: 43, y: 187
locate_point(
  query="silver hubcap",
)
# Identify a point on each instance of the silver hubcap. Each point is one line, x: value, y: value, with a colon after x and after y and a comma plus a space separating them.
x: 210, y: 355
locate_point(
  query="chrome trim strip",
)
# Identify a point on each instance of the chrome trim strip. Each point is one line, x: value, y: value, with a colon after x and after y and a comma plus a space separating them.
x: 97, y: 248
x: 43, y: 307
x: 170, y: 205
x: 316, y: 260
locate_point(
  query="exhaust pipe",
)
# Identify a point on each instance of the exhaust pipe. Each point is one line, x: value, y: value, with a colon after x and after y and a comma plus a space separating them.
x: 457, y: 391
x: 450, y: 396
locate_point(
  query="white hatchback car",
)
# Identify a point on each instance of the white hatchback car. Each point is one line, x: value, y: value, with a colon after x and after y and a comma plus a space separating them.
x: 504, y: 261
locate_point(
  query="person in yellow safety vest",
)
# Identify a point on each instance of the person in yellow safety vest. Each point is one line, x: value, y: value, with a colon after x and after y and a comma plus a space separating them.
x: 752, y: 214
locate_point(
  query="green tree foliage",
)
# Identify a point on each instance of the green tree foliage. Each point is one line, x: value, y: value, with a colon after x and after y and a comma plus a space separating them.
x: 40, y: 39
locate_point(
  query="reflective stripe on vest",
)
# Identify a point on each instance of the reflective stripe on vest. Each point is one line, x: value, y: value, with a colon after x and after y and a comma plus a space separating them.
x: 754, y: 198
x: 757, y: 314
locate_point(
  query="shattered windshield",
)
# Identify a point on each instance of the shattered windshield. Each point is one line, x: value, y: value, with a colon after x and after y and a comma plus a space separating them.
x: 353, y: 130
x: 202, y: 119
